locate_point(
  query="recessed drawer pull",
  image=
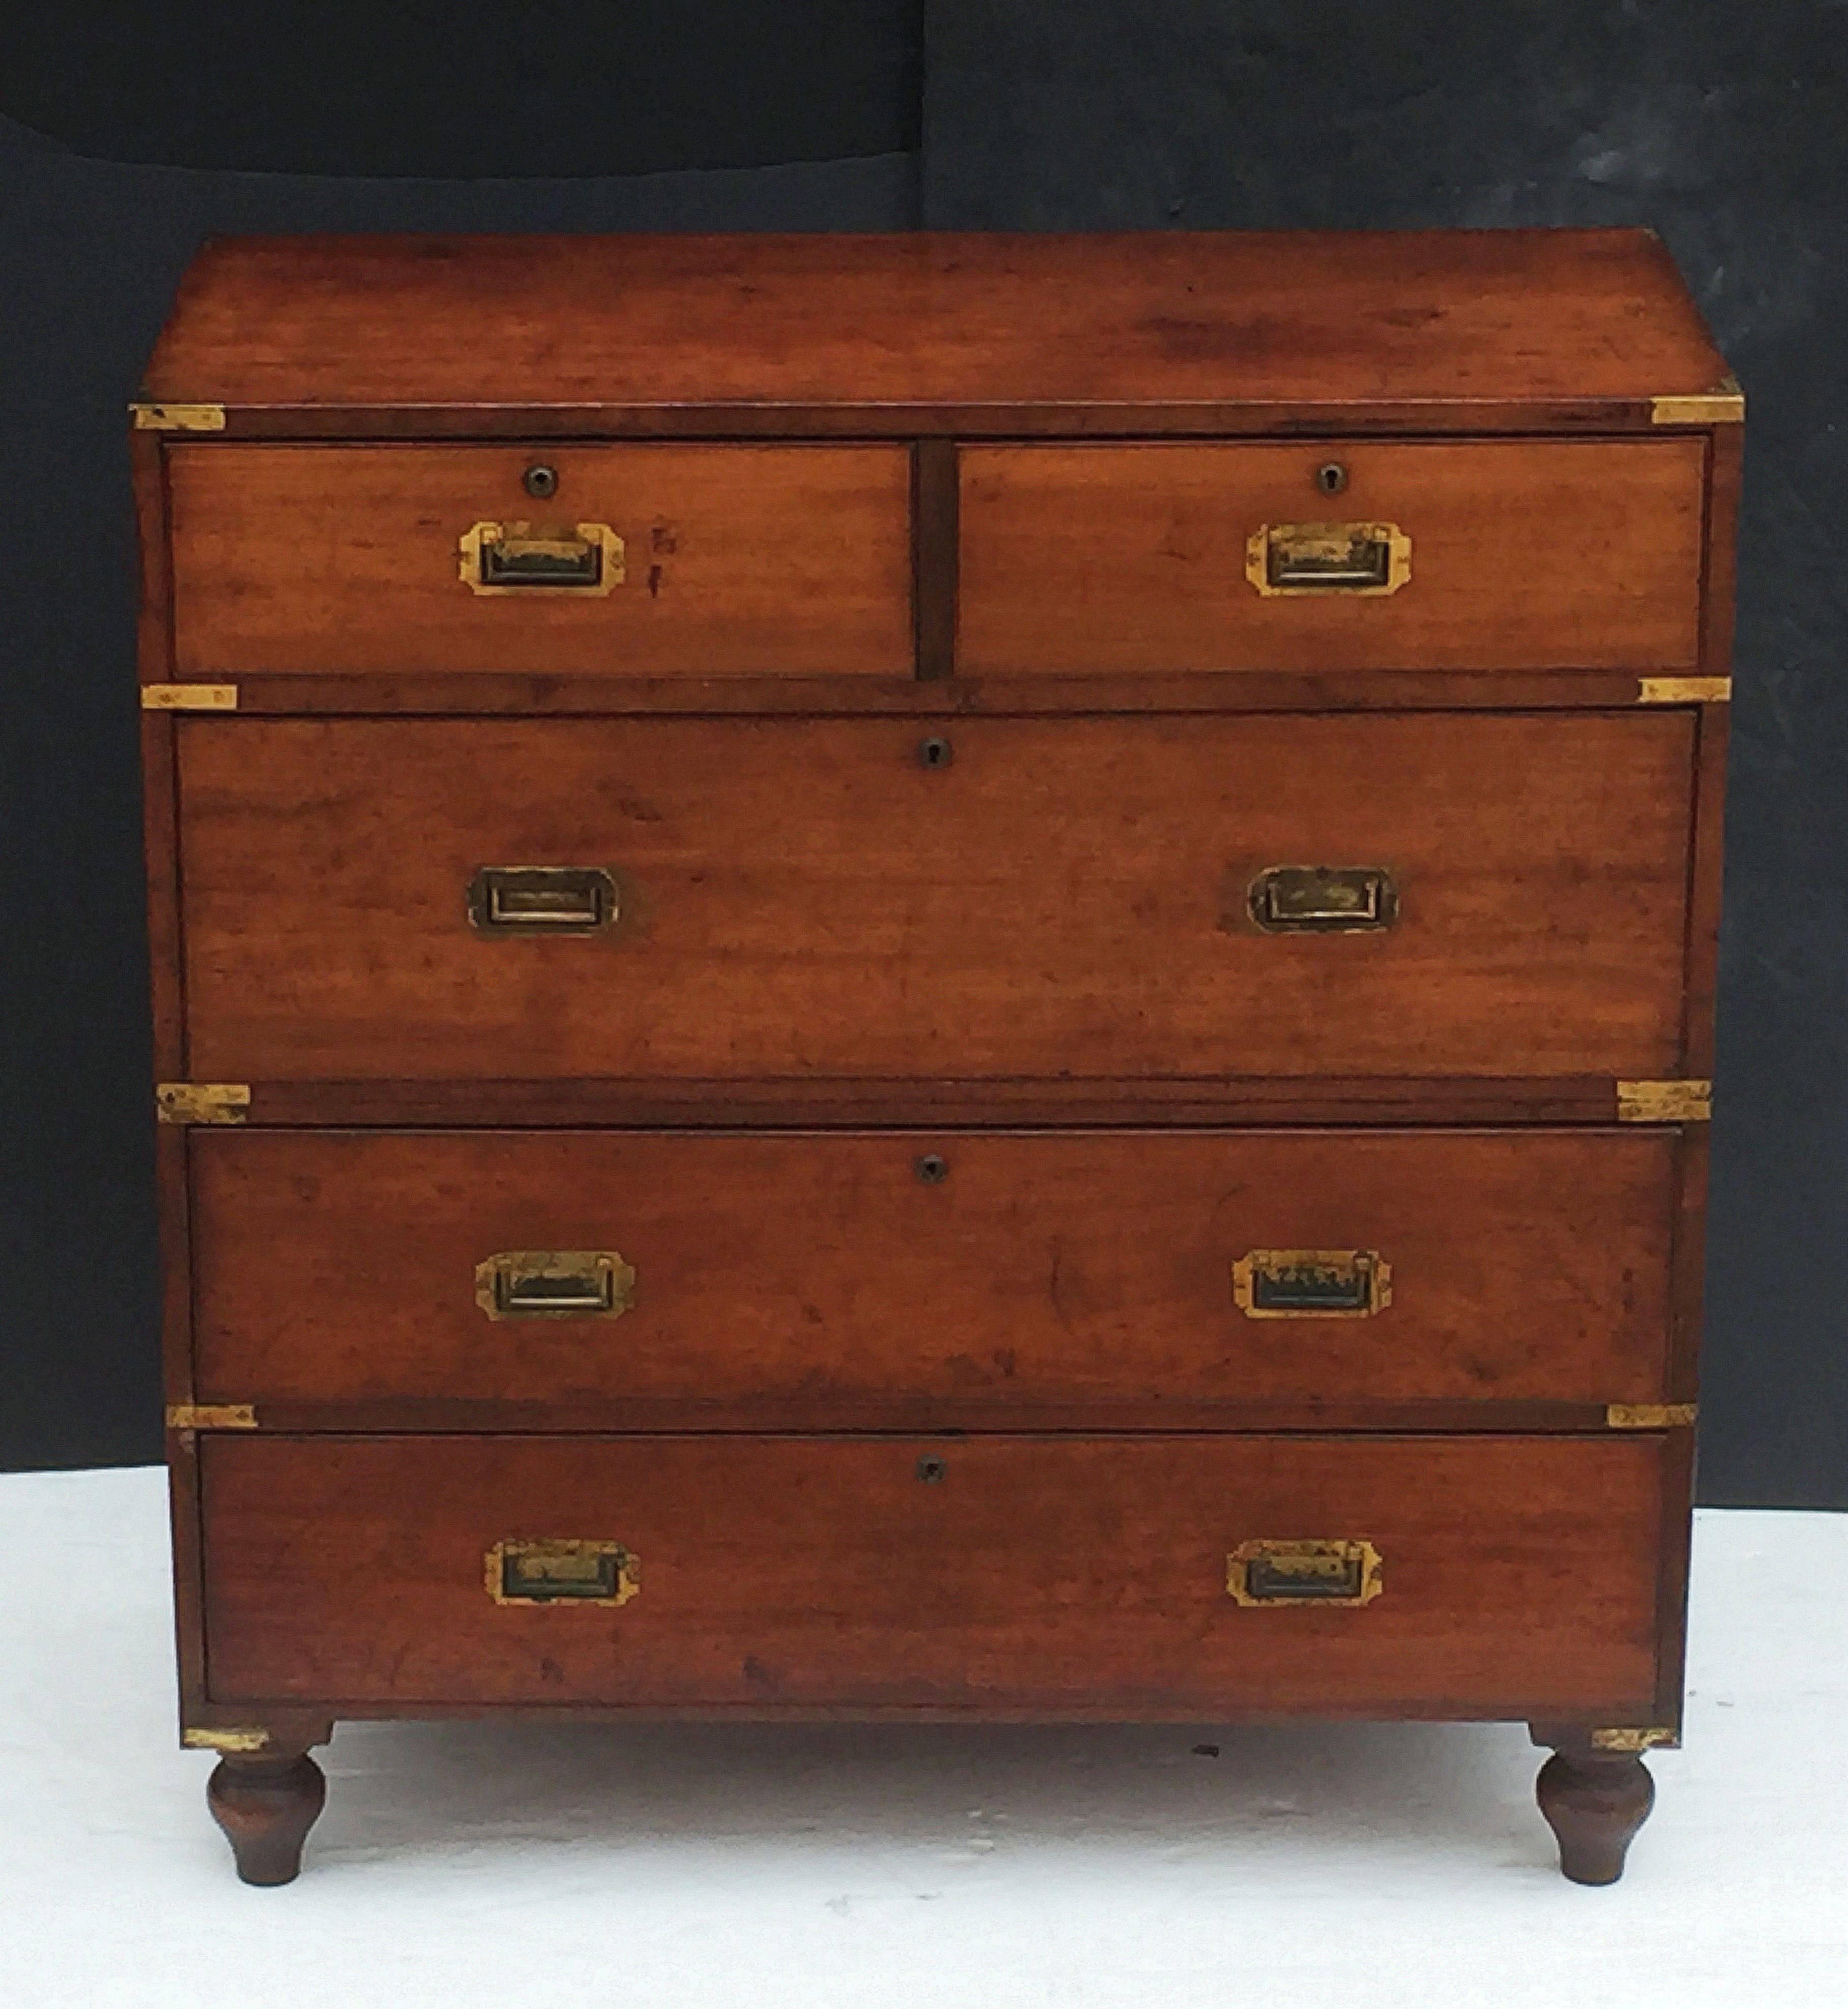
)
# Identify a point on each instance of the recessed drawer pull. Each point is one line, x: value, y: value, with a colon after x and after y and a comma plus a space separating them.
x: 517, y: 557
x: 542, y: 899
x: 1311, y: 1283
x: 1323, y: 899
x: 1325, y: 1573
x: 561, y: 1572
x: 555, y: 1284
x: 1353, y: 558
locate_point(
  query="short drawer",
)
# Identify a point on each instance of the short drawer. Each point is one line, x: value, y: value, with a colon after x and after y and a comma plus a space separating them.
x: 1489, y: 1576
x: 835, y: 1279
x: 1331, y: 555
x: 653, y: 560
x: 1418, y: 894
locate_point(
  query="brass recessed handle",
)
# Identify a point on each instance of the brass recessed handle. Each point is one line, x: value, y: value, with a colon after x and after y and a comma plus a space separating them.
x: 1324, y: 1573
x: 555, y: 1284
x: 1355, y: 559
x: 1323, y: 899
x: 543, y: 899
x: 583, y: 558
x: 561, y: 1572
x: 1311, y: 1283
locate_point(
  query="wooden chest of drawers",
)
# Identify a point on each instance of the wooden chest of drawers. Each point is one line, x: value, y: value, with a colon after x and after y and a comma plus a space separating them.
x: 937, y: 977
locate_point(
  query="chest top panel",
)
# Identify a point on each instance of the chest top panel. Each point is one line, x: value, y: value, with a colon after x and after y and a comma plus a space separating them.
x: 1098, y: 334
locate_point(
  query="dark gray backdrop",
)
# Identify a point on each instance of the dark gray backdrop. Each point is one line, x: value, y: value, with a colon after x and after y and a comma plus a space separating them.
x: 1725, y: 128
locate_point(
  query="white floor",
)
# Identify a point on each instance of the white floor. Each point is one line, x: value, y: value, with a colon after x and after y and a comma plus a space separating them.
x: 1356, y: 1867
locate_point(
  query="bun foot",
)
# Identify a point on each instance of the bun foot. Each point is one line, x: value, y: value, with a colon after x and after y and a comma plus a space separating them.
x: 266, y: 1802
x: 1594, y: 1801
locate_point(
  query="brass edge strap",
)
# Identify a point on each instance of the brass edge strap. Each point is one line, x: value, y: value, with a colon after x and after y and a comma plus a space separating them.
x: 1723, y: 405
x: 189, y: 697
x: 1684, y: 690
x: 1649, y: 1416
x: 201, y: 1101
x: 211, y: 1416
x: 1664, y: 1101
x: 1636, y: 1740
x: 224, y: 1740
x: 153, y: 418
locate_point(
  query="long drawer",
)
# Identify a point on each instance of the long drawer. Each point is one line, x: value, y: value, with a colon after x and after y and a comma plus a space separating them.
x: 965, y: 1276
x: 1166, y: 1576
x: 1419, y: 894
x: 638, y: 559
x: 1331, y: 555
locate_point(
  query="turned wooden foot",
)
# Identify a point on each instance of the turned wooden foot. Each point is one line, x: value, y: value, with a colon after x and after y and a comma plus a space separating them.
x: 266, y: 1802
x: 1594, y: 1801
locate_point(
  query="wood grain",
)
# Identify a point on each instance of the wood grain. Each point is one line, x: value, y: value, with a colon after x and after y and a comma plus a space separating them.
x: 1674, y: 1549
x: 1688, y: 1284
x: 1524, y: 553
x: 1726, y: 467
x: 813, y: 1275
x: 1133, y: 1102
x: 807, y: 899
x: 1706, y: 875
x: 762, y: 559
x: 1436, y: 326
x: 1049, y: 1571
x: 154, y: 638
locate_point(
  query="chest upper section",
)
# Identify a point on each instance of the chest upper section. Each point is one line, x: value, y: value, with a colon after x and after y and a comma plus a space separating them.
x: 861, y: 463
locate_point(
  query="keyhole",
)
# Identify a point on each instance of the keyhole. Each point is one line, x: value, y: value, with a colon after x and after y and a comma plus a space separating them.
x: 932, y: 1169
x: 1331, y: 477
x: 540, y: 481
x: 929, y: 1470
x: 935, y: 752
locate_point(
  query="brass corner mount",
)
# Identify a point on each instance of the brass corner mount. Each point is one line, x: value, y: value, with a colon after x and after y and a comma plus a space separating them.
x: 1723, y: 405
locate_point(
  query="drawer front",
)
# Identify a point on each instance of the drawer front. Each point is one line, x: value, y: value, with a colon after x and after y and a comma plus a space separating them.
x: 1513, y: 555
x: 727, y: 560
x: 878, y: 898
x: 965, y: 1275
x: 1516, y: 1576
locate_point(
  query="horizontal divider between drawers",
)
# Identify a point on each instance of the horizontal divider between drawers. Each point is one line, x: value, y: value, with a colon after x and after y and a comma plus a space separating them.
x: 997, y: 1103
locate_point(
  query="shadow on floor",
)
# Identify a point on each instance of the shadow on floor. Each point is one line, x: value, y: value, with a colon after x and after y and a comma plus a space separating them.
x: 1443, y: 1789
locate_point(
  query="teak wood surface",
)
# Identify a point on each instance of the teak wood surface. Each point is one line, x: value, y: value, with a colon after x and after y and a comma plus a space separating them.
x: 979, y: 1274
x: 994, y: 490
x: 764, y: 558
x: 1453, y: 330
x: 1055, y: 1573
x: 1063, y: 898
x: 1524, y: 553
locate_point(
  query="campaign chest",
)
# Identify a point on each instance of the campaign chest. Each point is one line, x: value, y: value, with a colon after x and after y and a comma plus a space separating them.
x: 936, y: 977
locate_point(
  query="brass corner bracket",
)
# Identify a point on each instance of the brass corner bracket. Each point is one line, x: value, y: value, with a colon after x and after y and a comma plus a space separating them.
x: 1636, y: 1740
x: 189, y: 697
x: 1649, y: 1416
x: 1684, y: 690
x: 150, y: 418
x: 1664, y: 1101
x: 201, y: 1101
x: 211, y: 1416
x: 1723, y: 405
